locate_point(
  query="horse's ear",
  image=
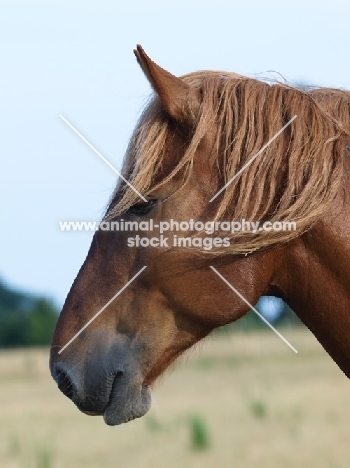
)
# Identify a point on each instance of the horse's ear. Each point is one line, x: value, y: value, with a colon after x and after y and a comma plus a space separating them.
x: 180, y: 100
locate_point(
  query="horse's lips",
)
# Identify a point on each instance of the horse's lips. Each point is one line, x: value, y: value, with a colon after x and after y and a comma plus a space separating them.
x: 123, y: 408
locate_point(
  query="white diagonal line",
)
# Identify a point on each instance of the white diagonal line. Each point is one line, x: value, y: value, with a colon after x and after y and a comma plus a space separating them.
x: 101, y: 310
x: 102, y: 157
x: 253, y: 308
x: 253, y: 158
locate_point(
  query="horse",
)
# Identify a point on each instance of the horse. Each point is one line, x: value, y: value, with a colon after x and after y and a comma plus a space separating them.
x: 199, y: 154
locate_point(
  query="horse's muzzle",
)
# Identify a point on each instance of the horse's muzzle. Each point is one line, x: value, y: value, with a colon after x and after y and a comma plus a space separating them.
x: 117, y: 396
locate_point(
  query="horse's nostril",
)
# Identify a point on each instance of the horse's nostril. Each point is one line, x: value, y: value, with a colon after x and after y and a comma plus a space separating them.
x: 64, y: 383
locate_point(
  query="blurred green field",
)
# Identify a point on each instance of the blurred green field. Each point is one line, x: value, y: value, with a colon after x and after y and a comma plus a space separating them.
x: 237, y: 400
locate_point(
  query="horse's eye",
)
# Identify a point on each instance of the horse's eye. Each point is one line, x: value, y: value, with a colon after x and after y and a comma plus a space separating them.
x: 142, y: 208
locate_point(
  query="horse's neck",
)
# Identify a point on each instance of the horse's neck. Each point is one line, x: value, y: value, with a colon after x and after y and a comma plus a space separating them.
x: 314, y: 275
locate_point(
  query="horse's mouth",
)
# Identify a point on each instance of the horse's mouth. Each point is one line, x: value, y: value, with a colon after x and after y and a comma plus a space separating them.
x: 119, y: 399
x: 125, y: 406
x: 121, y: 409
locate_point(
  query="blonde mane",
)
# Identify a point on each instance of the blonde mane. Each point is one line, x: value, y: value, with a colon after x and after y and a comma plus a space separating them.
x: 294, y: 179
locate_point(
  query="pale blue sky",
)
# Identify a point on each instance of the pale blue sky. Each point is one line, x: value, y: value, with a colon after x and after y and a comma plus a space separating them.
x: 75, y: 58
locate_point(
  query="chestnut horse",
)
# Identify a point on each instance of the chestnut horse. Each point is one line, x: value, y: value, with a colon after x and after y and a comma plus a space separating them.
x: 199, y: 133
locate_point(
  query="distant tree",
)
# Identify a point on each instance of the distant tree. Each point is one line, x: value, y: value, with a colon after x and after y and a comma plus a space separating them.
x: 41, y: 322
x: 25, y: 320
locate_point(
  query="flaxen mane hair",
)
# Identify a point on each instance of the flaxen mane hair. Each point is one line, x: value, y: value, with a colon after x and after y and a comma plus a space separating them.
x: 294, y: 179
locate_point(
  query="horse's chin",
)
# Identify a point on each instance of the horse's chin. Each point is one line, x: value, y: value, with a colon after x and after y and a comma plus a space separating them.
x: 121, y: 409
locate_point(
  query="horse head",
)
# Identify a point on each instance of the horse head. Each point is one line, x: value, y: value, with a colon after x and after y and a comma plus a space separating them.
x: 123, y: 324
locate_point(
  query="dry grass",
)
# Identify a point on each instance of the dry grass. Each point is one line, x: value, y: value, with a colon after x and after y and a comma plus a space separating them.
x: 258, y: 403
